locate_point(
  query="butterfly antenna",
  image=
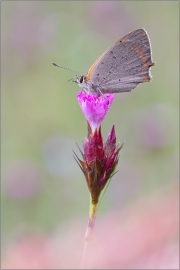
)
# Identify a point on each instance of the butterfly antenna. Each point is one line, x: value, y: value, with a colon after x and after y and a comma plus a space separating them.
x: 66, y: 68
x: 71, y: 79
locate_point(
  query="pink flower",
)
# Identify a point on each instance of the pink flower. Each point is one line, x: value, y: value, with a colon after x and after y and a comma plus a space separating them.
x: 99, y: 160
x: 94, y: 108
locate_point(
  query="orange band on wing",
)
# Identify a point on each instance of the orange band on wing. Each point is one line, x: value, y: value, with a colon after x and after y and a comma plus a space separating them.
x: 91, y: 68
x: 144, y: 62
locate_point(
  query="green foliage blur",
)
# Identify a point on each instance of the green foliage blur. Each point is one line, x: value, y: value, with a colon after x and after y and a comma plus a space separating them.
x: 42, y: 186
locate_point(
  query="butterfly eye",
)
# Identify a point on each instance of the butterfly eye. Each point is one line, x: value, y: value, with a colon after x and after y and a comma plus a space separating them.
x: 81, y: 79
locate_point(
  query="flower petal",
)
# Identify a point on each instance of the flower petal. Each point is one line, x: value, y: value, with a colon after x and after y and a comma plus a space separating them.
x: 94, y: 108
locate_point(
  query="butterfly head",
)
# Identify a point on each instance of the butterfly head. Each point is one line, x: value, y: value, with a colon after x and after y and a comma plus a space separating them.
x: 80, y: 80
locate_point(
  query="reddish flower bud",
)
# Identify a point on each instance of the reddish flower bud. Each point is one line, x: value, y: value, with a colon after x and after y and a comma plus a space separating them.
x: 99, y: 161
x: 110, y: 144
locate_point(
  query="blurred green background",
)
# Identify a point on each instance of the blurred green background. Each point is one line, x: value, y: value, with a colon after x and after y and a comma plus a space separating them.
x: 43, y: 189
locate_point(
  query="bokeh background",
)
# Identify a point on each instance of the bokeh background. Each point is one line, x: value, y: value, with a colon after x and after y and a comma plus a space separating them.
x: 44, y: 196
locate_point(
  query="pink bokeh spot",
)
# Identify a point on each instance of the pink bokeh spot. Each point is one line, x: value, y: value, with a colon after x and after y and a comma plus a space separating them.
x: 94, y: 108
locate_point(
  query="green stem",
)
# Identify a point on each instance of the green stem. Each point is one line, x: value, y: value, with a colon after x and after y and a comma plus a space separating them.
x: 89, y: 230
x: 92, y: 210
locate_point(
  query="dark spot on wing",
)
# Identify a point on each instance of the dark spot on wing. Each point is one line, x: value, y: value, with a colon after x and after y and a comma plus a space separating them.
x: 114, y: 57
x: 98, y: 74
x: 119, y: 80
x: 102, y: 63
x: 109, y: 71
x: 120, y: 41
x: 111, y: 51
